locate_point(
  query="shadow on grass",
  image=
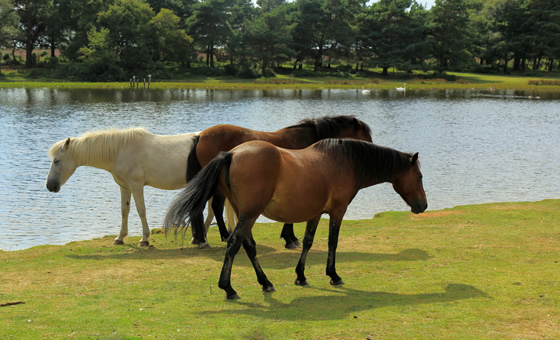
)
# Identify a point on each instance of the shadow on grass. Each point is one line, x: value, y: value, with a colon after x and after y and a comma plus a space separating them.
x: 321, y: 307
x: 268, y: 257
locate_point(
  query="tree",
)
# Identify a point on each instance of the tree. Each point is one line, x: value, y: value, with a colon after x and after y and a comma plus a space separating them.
x: 309, y: 35
x: 542, y: 30
x: 209, y: 26
x: 396, y: 33
x: 450, y: 36
x: 54, y: 31
x: 171, y: 42
x: 129, y: 33
x: 32, y: 17
x: 242, y: 12
x: 8, y: 23
x: 78, y: 19
x: 268, y: 37
x: 100, y: 57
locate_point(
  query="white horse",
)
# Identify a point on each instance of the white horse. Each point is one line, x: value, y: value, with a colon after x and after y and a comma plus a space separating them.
x: 135, y: 158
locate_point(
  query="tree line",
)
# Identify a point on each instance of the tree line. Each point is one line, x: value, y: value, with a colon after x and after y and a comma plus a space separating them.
x: 113, y: 39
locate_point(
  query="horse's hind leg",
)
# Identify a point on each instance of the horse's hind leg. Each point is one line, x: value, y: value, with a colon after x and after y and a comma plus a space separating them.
x: 251, y: 250
x: 209, y: 217
x: 288, y: 235
x: 138, y: 194
x: 310, y: 230
x: 233, y: 244
x: 125, y: 210
x: 218, y: 208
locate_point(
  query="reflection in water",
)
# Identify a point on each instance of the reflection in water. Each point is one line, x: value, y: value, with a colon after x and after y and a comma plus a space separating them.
x: 473, y: 149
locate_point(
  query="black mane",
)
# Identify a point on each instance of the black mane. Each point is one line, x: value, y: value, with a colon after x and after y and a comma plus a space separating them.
x: 367, y: 159
x: 331, y: 126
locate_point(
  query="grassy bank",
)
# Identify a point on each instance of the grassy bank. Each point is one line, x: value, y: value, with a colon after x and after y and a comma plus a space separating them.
x: 483, y: 271
x: 466, y: 81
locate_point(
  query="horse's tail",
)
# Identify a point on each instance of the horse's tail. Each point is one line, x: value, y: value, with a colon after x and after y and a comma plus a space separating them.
x: 192, y: 200
x: 193, y: 166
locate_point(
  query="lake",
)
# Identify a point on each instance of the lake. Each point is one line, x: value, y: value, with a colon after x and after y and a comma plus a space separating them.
x: 474, y: 148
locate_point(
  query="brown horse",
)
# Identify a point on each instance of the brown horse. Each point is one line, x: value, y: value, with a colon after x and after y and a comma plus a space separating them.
x: 225, y: 137
x: 295, y: 186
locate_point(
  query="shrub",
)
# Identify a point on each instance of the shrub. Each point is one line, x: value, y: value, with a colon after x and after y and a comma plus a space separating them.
x: 208, y: 71
x: 248, y: 72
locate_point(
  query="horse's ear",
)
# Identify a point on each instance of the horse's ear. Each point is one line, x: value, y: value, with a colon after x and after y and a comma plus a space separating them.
x: 66, y: 144
x: 414, y: 158
x: 356, y: 122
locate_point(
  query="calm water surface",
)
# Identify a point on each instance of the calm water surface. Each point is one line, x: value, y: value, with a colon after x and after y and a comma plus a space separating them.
x: 474, y: 149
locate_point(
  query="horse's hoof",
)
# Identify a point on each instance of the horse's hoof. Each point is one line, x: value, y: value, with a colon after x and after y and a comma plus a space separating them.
x: 143, y: 244
x: 337, y: 283
x: 297, y: 243
x: 301, y: 283
x: 291, y: 245
x: 118, y: 242
x: 194, y: 241
x: 233, y: 296
x: 204, y: 245
x: 268, y: 289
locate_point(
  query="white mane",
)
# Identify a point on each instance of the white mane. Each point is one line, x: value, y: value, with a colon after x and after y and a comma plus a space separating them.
x: 101, y: 145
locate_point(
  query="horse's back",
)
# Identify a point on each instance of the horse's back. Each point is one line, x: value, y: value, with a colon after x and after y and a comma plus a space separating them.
x: 158, y: 160
x: 220, y: 138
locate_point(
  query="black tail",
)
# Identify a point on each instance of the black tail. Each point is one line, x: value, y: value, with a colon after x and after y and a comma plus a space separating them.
x: 192, y: 200
x: 193, y: 166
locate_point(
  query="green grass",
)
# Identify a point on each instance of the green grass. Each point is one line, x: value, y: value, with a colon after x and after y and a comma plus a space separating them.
x: 468, y: 81
x: 481, y: 271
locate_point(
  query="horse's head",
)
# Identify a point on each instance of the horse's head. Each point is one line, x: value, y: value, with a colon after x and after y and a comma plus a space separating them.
x: 408, y: 184
x: 62, y: 166
x: 357, y: 130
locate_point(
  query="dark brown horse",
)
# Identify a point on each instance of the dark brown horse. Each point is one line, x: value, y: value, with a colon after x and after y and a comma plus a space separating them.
x: 225, y: 137
x: 294, y: 186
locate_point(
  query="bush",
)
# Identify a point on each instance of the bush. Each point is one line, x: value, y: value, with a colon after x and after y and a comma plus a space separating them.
x: 52, y: 62
x: 248, y: 72
x: 208, y: 71
x: 230, y: 70
x: 305, y: 73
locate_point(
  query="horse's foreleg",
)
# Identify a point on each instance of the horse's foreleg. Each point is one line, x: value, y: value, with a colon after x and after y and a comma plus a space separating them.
x: 251, y: 250
x: 288, y: 235
x: 334, y: 228
x: 125, y: 210
x: 218, y: 208
x: 138, y: 194
x: 233, y: 244
x: 310, y: 230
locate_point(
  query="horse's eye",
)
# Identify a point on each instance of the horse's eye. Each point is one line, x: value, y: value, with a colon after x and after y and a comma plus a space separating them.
x: 56, y: 161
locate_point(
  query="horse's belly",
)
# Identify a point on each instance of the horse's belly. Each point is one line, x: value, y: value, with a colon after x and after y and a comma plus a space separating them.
x: 292, y: 213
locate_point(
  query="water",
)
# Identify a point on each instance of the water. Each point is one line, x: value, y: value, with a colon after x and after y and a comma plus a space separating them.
x: 473, y: 149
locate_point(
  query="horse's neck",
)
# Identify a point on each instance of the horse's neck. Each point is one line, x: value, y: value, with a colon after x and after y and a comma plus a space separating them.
x: 100, y: 160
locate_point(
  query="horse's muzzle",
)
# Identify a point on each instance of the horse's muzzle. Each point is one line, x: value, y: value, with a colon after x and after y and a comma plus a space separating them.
x: 53, y: 187
x: 419, y: 207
